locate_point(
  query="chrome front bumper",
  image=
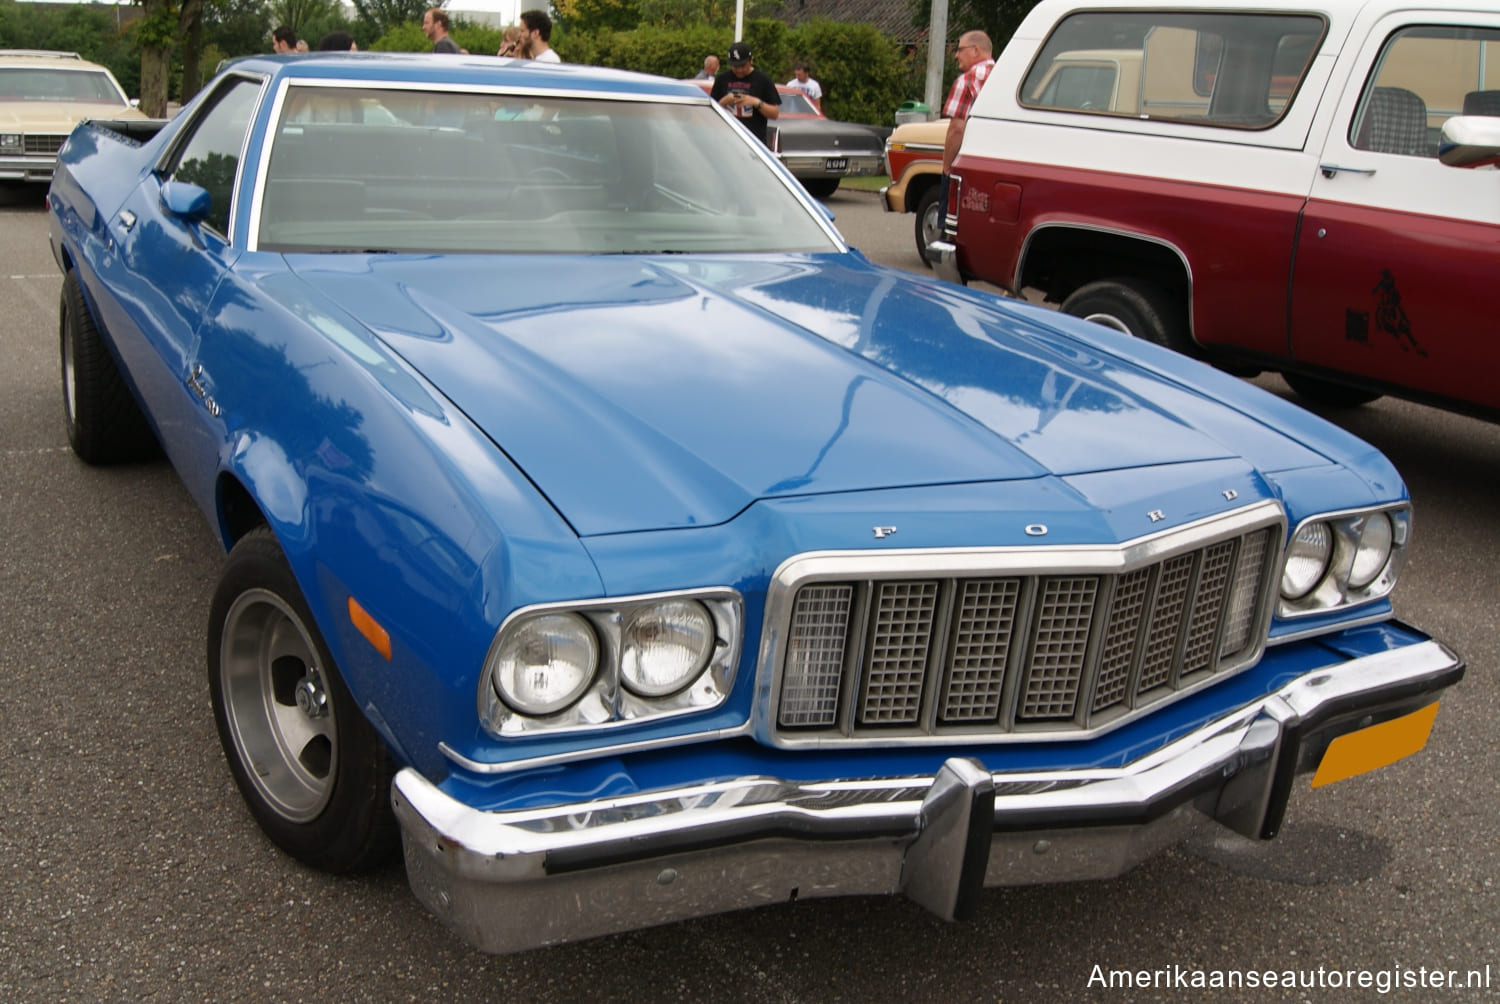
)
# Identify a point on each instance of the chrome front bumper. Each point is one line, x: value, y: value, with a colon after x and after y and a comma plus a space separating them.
x: 510, y: 881
x: 20, y: 167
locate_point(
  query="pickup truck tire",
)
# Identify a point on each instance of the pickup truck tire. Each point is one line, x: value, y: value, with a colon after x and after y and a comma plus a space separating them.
x: 105, y: 425
x: 311, y: 769
x: 1326, y: 392
x: 1134, y: 307
x: 821, y: 188
x: 929, y: 222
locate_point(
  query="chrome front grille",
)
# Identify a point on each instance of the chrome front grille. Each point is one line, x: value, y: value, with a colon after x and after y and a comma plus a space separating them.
x: 1015, y: 642
x: 43, y: 143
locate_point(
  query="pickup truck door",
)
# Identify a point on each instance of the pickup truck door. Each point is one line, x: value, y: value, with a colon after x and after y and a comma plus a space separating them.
x: 1394, y: 278
x: 165, y: 272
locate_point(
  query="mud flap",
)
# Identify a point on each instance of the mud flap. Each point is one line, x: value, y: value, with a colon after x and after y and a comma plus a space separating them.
x: 944, y: 867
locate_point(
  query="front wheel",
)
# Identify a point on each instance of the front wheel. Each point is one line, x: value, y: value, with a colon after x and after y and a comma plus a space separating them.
x: 312, y: 770
x: 1133, y: 307
x: 929, y: 225
x: 1326, y: 392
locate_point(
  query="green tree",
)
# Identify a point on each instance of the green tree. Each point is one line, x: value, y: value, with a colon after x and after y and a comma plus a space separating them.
x: 94, y: 31
x: 997, y: 18
x: 310, y: 19
x: 383, y: 15
x: 628, y: 15
x: 156, y: 33
x: 236, y: 27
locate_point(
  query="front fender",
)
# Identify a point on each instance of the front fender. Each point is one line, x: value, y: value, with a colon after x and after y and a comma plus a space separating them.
x: 379, y: 491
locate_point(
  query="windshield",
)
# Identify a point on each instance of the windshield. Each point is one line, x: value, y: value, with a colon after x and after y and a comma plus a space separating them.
x: 400, y: 170
x: 38, y: 84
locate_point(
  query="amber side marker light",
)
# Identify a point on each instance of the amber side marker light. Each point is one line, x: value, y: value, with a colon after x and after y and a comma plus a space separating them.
x: 1375, y: 747
x: 366, y: 625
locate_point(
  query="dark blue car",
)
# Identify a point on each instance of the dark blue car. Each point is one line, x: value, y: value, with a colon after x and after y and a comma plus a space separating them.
x: 607, y: 532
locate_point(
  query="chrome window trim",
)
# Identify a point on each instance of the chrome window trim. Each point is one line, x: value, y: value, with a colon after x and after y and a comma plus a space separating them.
x: 190, y: 128
x: 816, y: 566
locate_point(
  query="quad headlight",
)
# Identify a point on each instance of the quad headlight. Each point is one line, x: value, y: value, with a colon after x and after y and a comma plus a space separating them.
x: 1343, y: 559
x: 600, y: 662
x: 666, y: 646
x: 546, y: 663
x: 11, y: 142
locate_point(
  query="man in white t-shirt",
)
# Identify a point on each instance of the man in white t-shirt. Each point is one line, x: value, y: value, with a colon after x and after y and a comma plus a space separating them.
x: 807, y: 85
x: 537, y: 27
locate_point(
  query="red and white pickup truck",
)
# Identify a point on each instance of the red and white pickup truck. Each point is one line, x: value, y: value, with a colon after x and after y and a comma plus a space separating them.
x: 1258, y: 185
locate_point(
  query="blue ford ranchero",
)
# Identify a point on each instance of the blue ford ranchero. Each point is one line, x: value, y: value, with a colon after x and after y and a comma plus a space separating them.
x: 607, y: 533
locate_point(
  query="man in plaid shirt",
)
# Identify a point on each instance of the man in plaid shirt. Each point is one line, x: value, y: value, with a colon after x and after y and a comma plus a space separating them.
x: 975, y: 59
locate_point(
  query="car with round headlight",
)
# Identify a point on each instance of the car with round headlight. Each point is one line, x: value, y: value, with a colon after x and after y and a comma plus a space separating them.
x: 606, y: 532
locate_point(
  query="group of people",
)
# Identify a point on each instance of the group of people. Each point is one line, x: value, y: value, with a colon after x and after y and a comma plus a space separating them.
x: 750, y: 95
x: 531, y: 39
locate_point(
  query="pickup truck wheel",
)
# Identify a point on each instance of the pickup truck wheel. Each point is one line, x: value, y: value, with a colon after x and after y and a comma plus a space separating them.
x: 1134, y: 308
x: 929, y: 223
x: 1326, y: 392
x: 312, y: 770
x: 105, y: 425
x: 821, y: 188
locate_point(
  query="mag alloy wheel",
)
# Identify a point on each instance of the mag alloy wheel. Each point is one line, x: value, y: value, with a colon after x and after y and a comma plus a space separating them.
x: 280, y: 718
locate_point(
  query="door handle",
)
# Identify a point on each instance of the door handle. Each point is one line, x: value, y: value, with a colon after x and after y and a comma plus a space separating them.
x: 127, y: 219
x: 1329, y: 170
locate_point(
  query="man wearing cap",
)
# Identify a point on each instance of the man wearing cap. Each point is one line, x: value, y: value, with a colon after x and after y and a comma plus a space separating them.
x: 747, y: 93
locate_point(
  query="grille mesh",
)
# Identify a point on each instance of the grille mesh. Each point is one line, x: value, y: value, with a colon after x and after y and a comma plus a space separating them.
x: 898, y: 652
x: 1020, y: 651
x: 815, y: 655
x: 981, y: 648
x: 42, y: 143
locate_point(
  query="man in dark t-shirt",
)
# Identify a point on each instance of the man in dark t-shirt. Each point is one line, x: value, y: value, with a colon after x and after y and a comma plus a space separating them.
x: 747, y: 93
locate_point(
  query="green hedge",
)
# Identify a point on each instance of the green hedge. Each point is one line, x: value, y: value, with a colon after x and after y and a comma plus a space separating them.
x: 863, y: 73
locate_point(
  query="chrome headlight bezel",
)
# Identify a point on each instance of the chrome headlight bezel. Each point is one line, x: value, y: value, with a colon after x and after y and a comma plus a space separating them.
x: 608, y: 700
x: 1338, y: 587
x: 12, y: 142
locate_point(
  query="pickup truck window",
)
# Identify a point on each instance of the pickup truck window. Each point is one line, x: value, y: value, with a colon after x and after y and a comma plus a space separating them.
x: 1231, y: 70
x: 1425, y: 75
x: 211, y: 155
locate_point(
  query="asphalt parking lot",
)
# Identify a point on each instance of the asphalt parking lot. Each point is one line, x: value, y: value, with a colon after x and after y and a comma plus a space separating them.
x: 132, y: 872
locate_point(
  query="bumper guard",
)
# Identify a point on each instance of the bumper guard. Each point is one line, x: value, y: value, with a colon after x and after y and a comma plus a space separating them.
x: 511, y: 881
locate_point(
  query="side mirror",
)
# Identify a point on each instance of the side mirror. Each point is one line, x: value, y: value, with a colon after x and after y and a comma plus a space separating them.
x: 188, y: 202
x: 1470, y: 141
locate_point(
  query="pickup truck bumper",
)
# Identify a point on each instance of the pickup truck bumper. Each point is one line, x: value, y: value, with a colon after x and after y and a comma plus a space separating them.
x: 515, y: 880
x: 944, y: 258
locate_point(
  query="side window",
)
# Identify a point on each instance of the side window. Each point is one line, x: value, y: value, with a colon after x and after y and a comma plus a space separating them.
x: 1425, y: 75
x: 1224, y: 69
x: 211, y: 155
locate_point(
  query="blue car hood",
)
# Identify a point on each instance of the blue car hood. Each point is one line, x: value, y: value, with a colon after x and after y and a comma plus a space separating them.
x: 643, y: 393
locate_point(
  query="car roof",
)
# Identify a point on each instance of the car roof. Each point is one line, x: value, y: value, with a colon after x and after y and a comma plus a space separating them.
x: 52, y: 59
x: 475, y: 70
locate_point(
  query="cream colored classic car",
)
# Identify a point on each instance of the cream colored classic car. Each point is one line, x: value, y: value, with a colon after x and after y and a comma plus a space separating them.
x: 43, y: 95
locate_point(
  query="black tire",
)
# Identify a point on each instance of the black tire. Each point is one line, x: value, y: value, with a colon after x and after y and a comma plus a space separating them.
x: 105, y: 425
x: 929, y: 225
x: 1134, y: 307
x: 312, y: 770
x: 820, y: 188
x: 1328, y: 393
